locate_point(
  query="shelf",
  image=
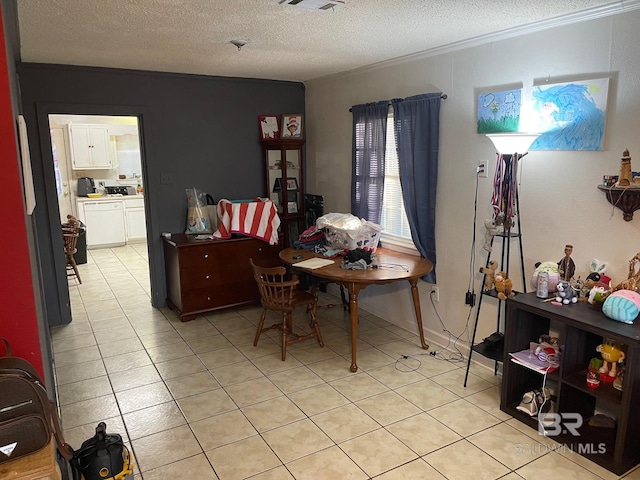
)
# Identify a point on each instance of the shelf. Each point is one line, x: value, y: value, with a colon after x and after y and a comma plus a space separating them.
x: 626, y: 199
x: 604, y: 392
x: 490, y: 350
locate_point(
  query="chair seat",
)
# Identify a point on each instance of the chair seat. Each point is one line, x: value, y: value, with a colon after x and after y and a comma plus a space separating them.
x: 282, y: 295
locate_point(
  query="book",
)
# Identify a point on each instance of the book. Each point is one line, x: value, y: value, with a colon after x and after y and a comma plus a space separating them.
x: 528, y: 359
x: 314, y: 263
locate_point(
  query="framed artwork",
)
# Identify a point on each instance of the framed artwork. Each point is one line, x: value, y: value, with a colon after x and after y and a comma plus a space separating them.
x: 292, y: 125
x: 269, y: 128
x: 292, y: 183
x: 292, y: 207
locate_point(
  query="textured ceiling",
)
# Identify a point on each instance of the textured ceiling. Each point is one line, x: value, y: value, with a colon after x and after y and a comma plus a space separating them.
x: 283, y: 42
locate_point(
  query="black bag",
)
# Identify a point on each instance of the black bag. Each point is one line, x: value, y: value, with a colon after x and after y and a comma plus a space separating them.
x: 25, y: 411
x: 103, y: 456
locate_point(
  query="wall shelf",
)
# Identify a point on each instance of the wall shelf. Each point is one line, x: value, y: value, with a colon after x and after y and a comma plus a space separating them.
x: 626, y: 199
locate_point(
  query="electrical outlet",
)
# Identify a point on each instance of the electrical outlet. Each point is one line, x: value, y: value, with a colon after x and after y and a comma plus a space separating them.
x: 435, y: 293
x: 481, y: 170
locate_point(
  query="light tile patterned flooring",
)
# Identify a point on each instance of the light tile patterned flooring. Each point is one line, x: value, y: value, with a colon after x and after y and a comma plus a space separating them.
x: 197, y: 400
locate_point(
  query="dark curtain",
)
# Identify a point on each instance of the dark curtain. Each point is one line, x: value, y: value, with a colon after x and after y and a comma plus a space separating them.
x: 369, y: 142
x: 417, y: 127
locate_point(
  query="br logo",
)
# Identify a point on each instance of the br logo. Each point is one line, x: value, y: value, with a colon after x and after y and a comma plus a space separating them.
x: 552, y: 424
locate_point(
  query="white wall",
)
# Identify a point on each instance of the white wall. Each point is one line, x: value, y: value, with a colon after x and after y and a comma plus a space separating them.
x: 559, y: 200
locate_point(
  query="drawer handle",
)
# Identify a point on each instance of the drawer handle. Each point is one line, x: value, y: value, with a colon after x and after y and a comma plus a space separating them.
x: 207, y: 277
x: 208, y: 298
x: 206, y: 255
x: 259, y: 249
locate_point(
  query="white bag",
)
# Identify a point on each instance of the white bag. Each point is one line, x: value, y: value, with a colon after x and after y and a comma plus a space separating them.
x: 197, y: 214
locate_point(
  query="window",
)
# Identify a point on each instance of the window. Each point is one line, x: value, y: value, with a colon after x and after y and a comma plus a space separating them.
x: 394, y: 218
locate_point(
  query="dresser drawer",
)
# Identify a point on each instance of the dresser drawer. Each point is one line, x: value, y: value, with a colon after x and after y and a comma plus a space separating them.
x: 222, y: 296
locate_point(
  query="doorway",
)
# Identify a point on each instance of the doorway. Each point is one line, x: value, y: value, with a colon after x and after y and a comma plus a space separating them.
x: 107, y: 150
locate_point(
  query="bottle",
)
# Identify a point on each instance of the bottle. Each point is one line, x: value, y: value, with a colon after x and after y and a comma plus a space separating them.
x: 543, y: 285
x: 139, y: 188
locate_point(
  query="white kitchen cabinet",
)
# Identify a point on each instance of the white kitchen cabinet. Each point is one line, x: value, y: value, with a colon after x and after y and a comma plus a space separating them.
x: 135, y: 220
x: 90, y: 147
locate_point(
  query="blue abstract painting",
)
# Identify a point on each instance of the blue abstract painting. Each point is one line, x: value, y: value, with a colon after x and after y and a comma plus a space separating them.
x: 569, y: 116
x: 499, y: 112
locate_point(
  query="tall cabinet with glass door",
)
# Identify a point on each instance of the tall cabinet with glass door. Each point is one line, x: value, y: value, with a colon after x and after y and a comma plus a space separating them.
x: 284, y: 175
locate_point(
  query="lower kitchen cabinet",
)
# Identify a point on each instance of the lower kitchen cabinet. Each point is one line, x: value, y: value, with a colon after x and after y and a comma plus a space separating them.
x: 135, y: 220
x: 580, y: 328
x: 204, y: 275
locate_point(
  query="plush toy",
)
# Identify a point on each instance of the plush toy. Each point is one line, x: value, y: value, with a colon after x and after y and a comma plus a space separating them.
x: 490, y: 229
x: 554, y: 275
x: 597, y: 294
x: 490, y: 274
x: 504, y: 286
x: 612, y: 355
x: 566, y: 293
x: 597, y: 269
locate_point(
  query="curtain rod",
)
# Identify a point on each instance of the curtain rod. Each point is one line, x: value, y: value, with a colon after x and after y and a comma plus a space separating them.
x: 443, y: 97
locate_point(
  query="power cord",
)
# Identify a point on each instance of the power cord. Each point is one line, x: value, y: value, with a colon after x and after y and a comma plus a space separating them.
x: 453, y: 357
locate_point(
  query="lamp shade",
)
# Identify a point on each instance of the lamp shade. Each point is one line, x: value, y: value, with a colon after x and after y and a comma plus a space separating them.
x: 509, y: 143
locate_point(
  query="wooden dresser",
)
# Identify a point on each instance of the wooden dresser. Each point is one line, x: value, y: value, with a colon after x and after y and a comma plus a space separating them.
x: 204, y: 275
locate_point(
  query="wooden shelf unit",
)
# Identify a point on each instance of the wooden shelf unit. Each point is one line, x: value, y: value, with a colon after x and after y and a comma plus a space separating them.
x: 580, y: 328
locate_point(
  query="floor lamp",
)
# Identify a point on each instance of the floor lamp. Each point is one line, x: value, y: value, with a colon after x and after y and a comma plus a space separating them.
x: 511, y: 147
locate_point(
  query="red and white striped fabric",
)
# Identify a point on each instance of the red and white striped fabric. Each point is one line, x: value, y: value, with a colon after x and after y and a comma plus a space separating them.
x: 257, y: 219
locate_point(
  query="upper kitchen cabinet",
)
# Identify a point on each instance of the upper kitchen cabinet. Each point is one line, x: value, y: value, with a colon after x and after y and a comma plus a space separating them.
x: 90, y: 147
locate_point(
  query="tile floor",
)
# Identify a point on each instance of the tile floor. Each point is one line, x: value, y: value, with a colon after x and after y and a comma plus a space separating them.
x: 198, y: 400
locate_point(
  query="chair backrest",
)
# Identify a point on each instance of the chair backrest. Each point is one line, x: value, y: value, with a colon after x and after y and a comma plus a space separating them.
x: 70, y: 232
x: 70, y: 242
x: 276, y: 291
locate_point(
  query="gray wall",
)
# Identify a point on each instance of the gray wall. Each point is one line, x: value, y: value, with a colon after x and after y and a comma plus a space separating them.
x: 202, y: 130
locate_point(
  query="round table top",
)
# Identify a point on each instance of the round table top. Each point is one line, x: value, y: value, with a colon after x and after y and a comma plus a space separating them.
x: 387, y: 266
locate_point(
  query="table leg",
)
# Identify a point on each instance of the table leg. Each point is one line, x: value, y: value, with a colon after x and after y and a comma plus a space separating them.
x: 353, y: 313
x: 416, y: 306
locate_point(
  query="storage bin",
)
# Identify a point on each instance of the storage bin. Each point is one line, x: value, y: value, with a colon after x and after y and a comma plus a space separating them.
x: 348, y: 232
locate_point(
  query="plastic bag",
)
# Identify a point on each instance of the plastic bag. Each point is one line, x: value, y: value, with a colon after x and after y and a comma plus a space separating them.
x: 346, y: 231
x: 197, y: 214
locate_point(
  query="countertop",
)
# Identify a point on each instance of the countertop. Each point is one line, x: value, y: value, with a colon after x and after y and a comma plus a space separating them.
x: 110, y: 198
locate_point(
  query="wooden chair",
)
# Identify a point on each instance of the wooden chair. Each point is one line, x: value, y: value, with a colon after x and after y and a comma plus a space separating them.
x: 70, y: 233
x: 281, y: 295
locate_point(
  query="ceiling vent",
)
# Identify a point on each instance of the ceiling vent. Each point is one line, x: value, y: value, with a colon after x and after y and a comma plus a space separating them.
x: 321, y: 5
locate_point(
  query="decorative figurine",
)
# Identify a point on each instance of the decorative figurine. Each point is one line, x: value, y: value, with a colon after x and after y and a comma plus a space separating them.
x: 612, y: 355
x: 566, y: 266
x: 504, y: 286
x: 490, y: 229
x: 597, y: 270
x: 490, y: 274
x: 566, y: 293
x: 593, y: 374
x: 626, y: 176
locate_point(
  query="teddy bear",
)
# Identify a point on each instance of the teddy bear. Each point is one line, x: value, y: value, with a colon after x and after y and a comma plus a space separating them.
x: 490, y: 229
x: 566, y: 293
x: 504, y: 286
x: 490, y: 273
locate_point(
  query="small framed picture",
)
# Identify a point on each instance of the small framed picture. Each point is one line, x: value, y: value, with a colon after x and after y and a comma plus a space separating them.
x: 292, y: 183
x: 269, y: 128
x: 292, y: 207
x: 292, y: 126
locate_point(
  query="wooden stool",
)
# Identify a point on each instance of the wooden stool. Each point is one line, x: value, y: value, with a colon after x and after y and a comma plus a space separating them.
x: 41, y: 465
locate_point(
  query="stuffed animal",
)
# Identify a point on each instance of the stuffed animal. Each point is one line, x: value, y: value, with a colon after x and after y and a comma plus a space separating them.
x: 490, y: 274
x: 490, y: 229
x: 566, y: 293
x: 504, y: 286
x: 554, y: 275
x: 612, y: 355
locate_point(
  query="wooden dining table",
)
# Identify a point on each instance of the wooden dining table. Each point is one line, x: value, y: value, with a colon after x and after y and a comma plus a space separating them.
x: 388, y: 266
